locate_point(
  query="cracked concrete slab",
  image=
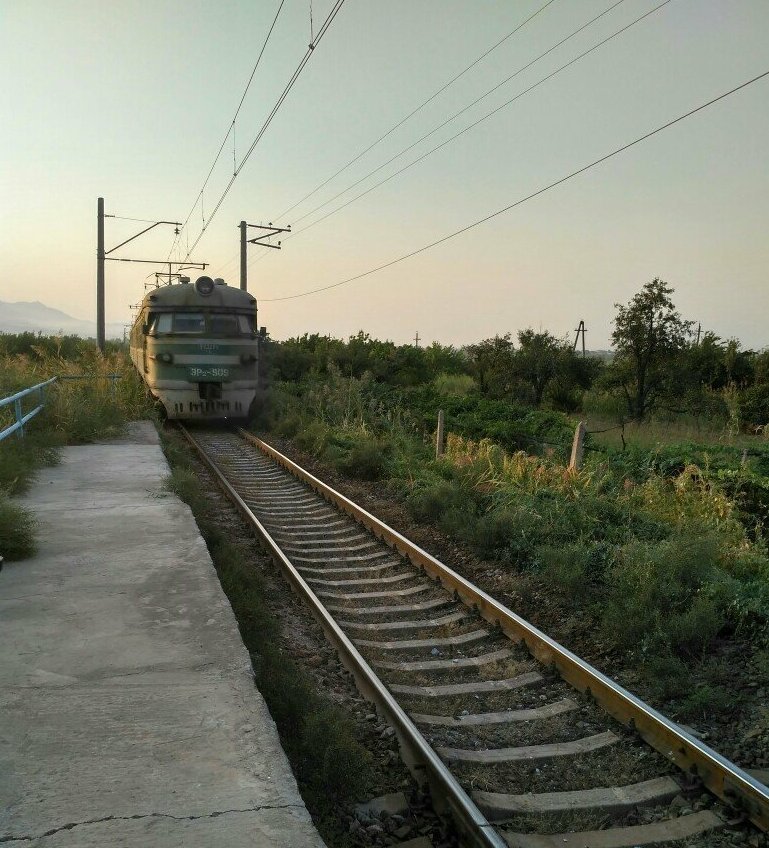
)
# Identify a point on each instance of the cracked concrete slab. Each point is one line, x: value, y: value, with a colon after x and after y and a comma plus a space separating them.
x: 130, y: 716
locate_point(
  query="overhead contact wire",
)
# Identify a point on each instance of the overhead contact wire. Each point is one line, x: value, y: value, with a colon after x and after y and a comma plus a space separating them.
x: 420, y: 107
x: 480, y: 120
x: 294, y: 77
x: 231, y: 126
x: 528, y: 197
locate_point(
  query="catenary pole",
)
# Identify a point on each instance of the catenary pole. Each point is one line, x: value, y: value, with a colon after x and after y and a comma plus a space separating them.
x: 243, y: 257
x: 100, y: 327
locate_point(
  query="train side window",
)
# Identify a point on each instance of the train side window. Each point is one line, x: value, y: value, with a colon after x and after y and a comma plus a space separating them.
x: 223, y: 325
x: 247, y: 324
x: 189, y: 322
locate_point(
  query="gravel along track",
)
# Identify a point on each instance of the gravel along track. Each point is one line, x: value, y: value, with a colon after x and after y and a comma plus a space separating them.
x: 542, y: 762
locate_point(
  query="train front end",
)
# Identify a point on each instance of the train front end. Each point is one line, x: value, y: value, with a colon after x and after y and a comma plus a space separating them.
x: 197, y: 348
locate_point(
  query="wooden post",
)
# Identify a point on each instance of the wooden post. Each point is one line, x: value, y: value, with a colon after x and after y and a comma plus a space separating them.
x: 439, y: 440
x: 577, y: 447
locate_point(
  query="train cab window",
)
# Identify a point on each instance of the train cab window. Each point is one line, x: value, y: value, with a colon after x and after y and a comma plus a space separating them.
x: 223, y: 325
x: 189, y: 322
x: 247, y: 324
x: 159, y: 323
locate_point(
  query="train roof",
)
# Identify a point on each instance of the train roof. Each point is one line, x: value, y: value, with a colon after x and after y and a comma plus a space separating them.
x: 187, y: 295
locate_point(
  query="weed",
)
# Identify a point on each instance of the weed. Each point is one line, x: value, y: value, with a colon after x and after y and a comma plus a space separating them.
x: 366, y: 460
x: 653, y: 595
x: 574, y: 569
x: 20, y: 459
x: 704, y: 700
x: 17, y: 540
x: 458, y: 385
x: 313, y: 438
x: 667, y: 676
x: 186, y: 486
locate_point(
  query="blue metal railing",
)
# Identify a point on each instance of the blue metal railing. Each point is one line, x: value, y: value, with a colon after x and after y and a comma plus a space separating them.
x: 21, y: 416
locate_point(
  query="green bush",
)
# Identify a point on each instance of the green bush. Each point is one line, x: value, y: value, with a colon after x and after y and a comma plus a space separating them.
x: 667, y: 676
x: 313, y: 438
x: 17, y: 538
x: 430, y: 503
x: 654, y: 595
x: 288, y: 425
x: 573, y: 569
x: 753, y: 405
x: 366, y: 460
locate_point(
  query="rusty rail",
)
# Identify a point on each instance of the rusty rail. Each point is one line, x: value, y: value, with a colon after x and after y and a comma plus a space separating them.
x: 418, y: 755
x: 719, y: 775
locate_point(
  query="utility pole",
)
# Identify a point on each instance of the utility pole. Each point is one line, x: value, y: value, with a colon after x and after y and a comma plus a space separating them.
x: 416, y: 339
x: 103, y: 255
x: 699, y: 331
x: 580, y: 332
x: 243, y: 257
x: 260, y: 240
x: 100, y: 326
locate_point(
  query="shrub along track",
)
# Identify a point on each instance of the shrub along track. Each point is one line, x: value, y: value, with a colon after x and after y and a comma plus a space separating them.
x: 492, y: 695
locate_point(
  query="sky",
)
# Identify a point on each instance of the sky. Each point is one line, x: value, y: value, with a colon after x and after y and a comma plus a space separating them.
x: 130, y: 101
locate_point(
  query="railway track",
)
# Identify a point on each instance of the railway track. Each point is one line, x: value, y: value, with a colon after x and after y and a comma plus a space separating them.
x: 524, y: 743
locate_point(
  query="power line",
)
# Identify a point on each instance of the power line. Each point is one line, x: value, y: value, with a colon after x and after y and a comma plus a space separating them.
x: 399, y: 124
x: 527, y: 197
x: 464, y: 109
x: 261, y: 256
x: 420, y: 107
x: 305, y: 59
x: 231, y: 127
x: 483, y: 117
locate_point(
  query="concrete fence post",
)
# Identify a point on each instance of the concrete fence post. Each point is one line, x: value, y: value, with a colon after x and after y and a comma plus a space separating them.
x: 578, y: 447
x: 439, y: 435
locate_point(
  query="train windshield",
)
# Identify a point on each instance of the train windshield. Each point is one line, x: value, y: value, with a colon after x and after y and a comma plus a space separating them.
x: 247, y: 324
x: 159, y: 323
x: 189, y: 322
x: 224, y: 325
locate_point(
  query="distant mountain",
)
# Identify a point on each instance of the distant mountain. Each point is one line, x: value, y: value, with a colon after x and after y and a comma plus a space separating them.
x: 36, y: 317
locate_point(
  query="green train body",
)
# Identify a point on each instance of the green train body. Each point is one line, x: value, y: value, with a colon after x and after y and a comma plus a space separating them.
x: 197, y: 349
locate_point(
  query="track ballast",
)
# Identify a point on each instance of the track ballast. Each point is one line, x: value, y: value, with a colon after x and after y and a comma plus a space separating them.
x: 509, y: 728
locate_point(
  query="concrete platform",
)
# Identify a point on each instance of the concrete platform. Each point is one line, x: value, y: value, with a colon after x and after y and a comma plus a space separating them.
x: 128, y: 714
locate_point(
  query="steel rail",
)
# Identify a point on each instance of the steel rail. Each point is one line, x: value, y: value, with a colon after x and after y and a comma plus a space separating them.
x: 719, y: 775
x: 422, y: 760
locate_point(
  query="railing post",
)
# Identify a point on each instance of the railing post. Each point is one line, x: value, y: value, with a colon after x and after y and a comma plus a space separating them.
x: 19, y: 416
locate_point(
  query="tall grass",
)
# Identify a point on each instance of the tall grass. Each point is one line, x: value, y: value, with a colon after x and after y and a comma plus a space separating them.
x: 84, y: 405
x: 650, y: 547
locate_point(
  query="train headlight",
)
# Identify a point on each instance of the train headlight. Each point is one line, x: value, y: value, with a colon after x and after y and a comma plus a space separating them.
x: 168, y: 358
x: 204, y: 286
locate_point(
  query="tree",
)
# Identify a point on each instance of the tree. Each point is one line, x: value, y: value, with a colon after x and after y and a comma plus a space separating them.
x: 491, y: 361
x: 538, y: 360
x: 648, y: 337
